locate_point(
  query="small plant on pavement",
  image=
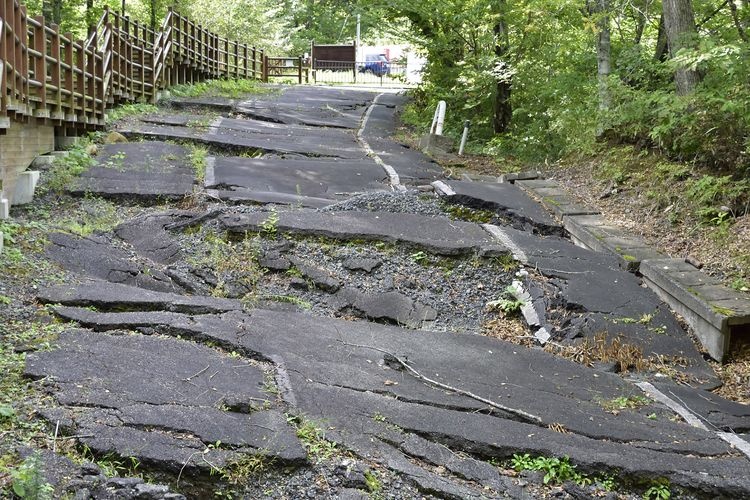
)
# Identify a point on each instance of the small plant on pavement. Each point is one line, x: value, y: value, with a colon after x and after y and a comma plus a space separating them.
x: 508, y: 304
x: 313, y: 438
x: 28, y: 480
x: 659, y: 490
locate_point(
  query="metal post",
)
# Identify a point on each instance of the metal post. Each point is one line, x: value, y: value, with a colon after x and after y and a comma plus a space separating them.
x: 438, y: 119
x: 464, y: 137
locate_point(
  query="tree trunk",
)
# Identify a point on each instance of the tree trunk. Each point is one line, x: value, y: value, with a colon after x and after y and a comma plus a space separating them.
x: 738, y: 22
x: 660, y: 52
x: 603, y: 52
x: 503, y: 109
x: 154, y: 6
x: 52, y: 11
x: 90, y: 21
x: 679, y: 24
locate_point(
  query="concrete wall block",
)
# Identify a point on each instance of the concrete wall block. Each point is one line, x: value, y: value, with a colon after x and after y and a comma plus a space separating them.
x: 25, y: 186
x: 43, y: 161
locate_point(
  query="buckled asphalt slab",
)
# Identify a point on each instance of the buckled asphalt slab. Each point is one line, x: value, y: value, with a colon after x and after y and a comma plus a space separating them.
x: 159, y: 370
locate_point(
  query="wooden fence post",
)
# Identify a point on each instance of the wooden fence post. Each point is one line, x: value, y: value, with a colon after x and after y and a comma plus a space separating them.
x: 40, y: 65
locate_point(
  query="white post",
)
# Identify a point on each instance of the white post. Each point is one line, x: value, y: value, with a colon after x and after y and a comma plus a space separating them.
x: 464, y: 137
x: 438, y: 120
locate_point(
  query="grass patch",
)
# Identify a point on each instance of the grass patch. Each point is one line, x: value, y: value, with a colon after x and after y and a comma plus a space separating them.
x: 313, y: 438
x: 97, y: 216
x: 219, y: 88
x: 127, y: 110
x: 198, y: 157
x: 460, y: 212
x: 66, y: 168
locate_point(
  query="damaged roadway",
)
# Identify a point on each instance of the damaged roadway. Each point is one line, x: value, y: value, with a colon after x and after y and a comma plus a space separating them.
x: 160, y: 361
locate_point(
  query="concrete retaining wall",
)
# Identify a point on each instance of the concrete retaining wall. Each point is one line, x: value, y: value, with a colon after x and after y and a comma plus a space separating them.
x: 20, y: 144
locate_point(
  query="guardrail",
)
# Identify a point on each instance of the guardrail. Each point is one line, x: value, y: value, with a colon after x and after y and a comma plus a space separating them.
x: 48, y: 75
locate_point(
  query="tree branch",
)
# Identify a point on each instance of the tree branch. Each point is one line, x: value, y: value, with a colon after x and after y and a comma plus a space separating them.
x: 528, y: 417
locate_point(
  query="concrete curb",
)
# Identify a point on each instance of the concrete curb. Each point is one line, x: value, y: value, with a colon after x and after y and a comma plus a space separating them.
x: 715, y: 312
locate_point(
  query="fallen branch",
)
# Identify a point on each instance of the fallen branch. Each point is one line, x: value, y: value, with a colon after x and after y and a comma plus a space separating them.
x: 519, y: 413
x: 191, y: 377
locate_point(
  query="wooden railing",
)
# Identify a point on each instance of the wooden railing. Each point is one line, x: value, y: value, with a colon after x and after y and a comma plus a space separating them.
x: 49, y: 76
x: 286, y: 67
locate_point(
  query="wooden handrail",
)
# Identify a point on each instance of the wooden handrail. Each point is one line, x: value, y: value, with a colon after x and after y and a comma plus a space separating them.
x: 49, y: 76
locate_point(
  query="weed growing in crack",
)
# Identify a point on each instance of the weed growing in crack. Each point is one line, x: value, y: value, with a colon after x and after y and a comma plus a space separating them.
x: 98, y: 216
x: 248, y: 466
x: 616, y: 405
x: 508, y: 304
x: 234, y: 264
x: 372, y: 482
x: 313, y: 438
x: 659, y: 490
x: 556, y: 470
x: 27, y: 480
x: 460, y: 212
x: 66, y: 168
x: 198, y: 159
x: 270, y: 226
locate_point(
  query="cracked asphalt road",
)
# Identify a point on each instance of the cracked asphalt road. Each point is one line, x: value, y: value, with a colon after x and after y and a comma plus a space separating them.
x: 177, y: 346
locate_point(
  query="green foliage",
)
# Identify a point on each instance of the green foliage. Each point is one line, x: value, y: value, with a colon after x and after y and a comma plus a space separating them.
x: 556, y: 470
x: 127, y: 110
x: 313, y: 438
x: 218, y: 88
x: 198, y: 159
x: 28, y: 480
x: 624, y: 402
x: 373, y: 483
x: 659, y: 490
x: 270, y: 226
x: 66, y: 168
x: 508, y: 304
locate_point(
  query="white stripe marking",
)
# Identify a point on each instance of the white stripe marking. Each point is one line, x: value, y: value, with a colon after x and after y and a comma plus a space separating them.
x: 392, y: 174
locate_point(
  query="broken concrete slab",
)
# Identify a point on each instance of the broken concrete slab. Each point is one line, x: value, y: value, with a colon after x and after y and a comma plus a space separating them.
x: 485, y: 436
x: 119, y: 297
x: 319, y: 107
x: 505, y: 198
x: 714, y: 311
x: 319, y: 278
x: 314, y: 178
x: 96, y: 257
x: 166, y: 404
x: 143, y: 171
x: 594, y: 233
x: 320, y: 355
x: 392, y: 307
x: 440, y: 235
